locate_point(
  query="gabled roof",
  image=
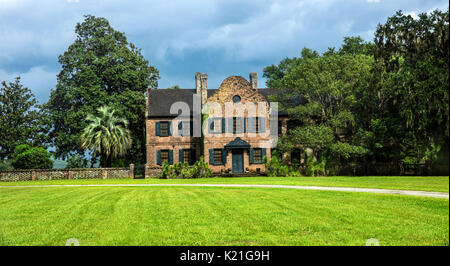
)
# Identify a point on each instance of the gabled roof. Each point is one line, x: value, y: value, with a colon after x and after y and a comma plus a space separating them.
x: 161, y: 100
x: 237, y: 143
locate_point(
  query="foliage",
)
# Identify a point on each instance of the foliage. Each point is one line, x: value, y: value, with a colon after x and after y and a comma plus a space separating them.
x: 21, y: 120
x: 316, y: 167
x: 366, y: 102
x: 106, y: 135
x: 5, y: 165
x: 182, y: 170
x: 411, y: 83
x: 27, y: 157
x: 346, y: 150
x: 276, y: 168
x: 201, y: 169
x: 76, y: 162
x: 101, y: 67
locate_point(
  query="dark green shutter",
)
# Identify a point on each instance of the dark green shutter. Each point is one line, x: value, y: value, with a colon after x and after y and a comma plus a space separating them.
x: 223, y: 125
x: 211, y: 156
x: 170, y: 156
x: 180, y: 128
x: 158, y: 157
x: 263, y: 154
x: 244, y: 125
x: 251, y: 156
x: 230, y: 125
x: 262, y: 125
x: 224, y: 156
x: 180, y: 156
x: 251, y: 125
x: 157, y: 129
x: 211, y: 125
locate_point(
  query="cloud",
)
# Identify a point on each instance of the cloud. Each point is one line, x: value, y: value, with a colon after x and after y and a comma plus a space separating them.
x: 38, y: 79
x: 220, y: 37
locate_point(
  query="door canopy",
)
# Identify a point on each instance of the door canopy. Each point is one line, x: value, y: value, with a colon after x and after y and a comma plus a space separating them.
x: 237, y: 143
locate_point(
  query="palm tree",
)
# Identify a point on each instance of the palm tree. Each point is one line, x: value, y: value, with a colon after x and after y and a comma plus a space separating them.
x: 106, y: 135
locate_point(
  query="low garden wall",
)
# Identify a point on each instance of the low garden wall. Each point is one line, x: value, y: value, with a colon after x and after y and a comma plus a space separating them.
x: 60, y: 174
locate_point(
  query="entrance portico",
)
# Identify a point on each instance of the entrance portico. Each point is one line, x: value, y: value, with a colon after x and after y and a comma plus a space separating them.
x: 237, y: 147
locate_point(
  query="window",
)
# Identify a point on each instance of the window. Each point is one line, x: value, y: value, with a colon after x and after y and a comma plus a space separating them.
x: 237, y: 124
x: 257, y: 156
x: 217, y: 125
x: 184, y: 128
x: 164, y: 156
x: 218, y: 157
x: 187, y: 156
x: 237, y: 99
x: 164, y: 128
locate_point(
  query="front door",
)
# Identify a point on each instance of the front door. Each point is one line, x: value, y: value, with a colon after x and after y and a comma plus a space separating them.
x: 238, y: 161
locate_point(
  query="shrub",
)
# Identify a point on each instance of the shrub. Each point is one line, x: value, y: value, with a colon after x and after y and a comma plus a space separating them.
x: 276, y: 168
x: 182, y: 170
x: 316, y: 168
x: 6, y: 166
x: 201, y: 169
x: 166, y: 171
x: 76, y: 161
x: 26, y: 157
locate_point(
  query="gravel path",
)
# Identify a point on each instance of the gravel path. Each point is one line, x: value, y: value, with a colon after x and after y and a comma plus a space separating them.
x: 444, y: 195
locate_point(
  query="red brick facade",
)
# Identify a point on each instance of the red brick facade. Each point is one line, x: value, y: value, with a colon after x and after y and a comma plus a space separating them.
x: 234, y: 108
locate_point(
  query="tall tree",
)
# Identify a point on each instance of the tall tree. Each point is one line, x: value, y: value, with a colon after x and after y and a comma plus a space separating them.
x: 106, y: 135
x: 21, y: 121
x: 100, y: 68
x: 329, y: 84
x: 412, y: 62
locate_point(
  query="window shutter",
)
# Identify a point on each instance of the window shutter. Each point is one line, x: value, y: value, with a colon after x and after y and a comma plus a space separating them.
x: 230, y: 125
x: 191, y: 128
x: 251, y: 125
x: 251, y: 156
x: 158, y: 157
x: 170, y: 128
x: 244, y: 125
x: 157, y: 129
x: 262, y: 125
x: 180, y: 156
x: 180, y: 128
x: 224, y: 156
x: 210, y: 125
x: 211, y: 156
x: 263, y: 152
x: 223, y: 125
x: 170, y: 156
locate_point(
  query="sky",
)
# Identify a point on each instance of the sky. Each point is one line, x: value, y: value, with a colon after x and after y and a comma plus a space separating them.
x: 218, y: 37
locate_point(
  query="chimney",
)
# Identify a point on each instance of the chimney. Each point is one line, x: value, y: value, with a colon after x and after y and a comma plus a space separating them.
x: 254, y: 80
x: 201, y: 85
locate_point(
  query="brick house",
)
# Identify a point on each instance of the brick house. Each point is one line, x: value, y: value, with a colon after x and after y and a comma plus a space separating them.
x: 239, y: 125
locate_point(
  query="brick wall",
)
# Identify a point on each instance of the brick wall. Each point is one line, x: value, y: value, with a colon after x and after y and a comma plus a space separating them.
x: 61, y: 174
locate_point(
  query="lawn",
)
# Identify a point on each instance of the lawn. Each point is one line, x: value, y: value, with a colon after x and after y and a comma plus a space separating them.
x: 217, y: 216
x: 440, y: 184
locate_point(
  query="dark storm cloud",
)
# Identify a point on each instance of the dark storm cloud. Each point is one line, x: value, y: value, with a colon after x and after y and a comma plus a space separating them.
x: 220, y: 38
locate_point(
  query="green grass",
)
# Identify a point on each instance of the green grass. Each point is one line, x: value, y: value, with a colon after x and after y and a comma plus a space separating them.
x: 217, y: 216
x: 440, y: 184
